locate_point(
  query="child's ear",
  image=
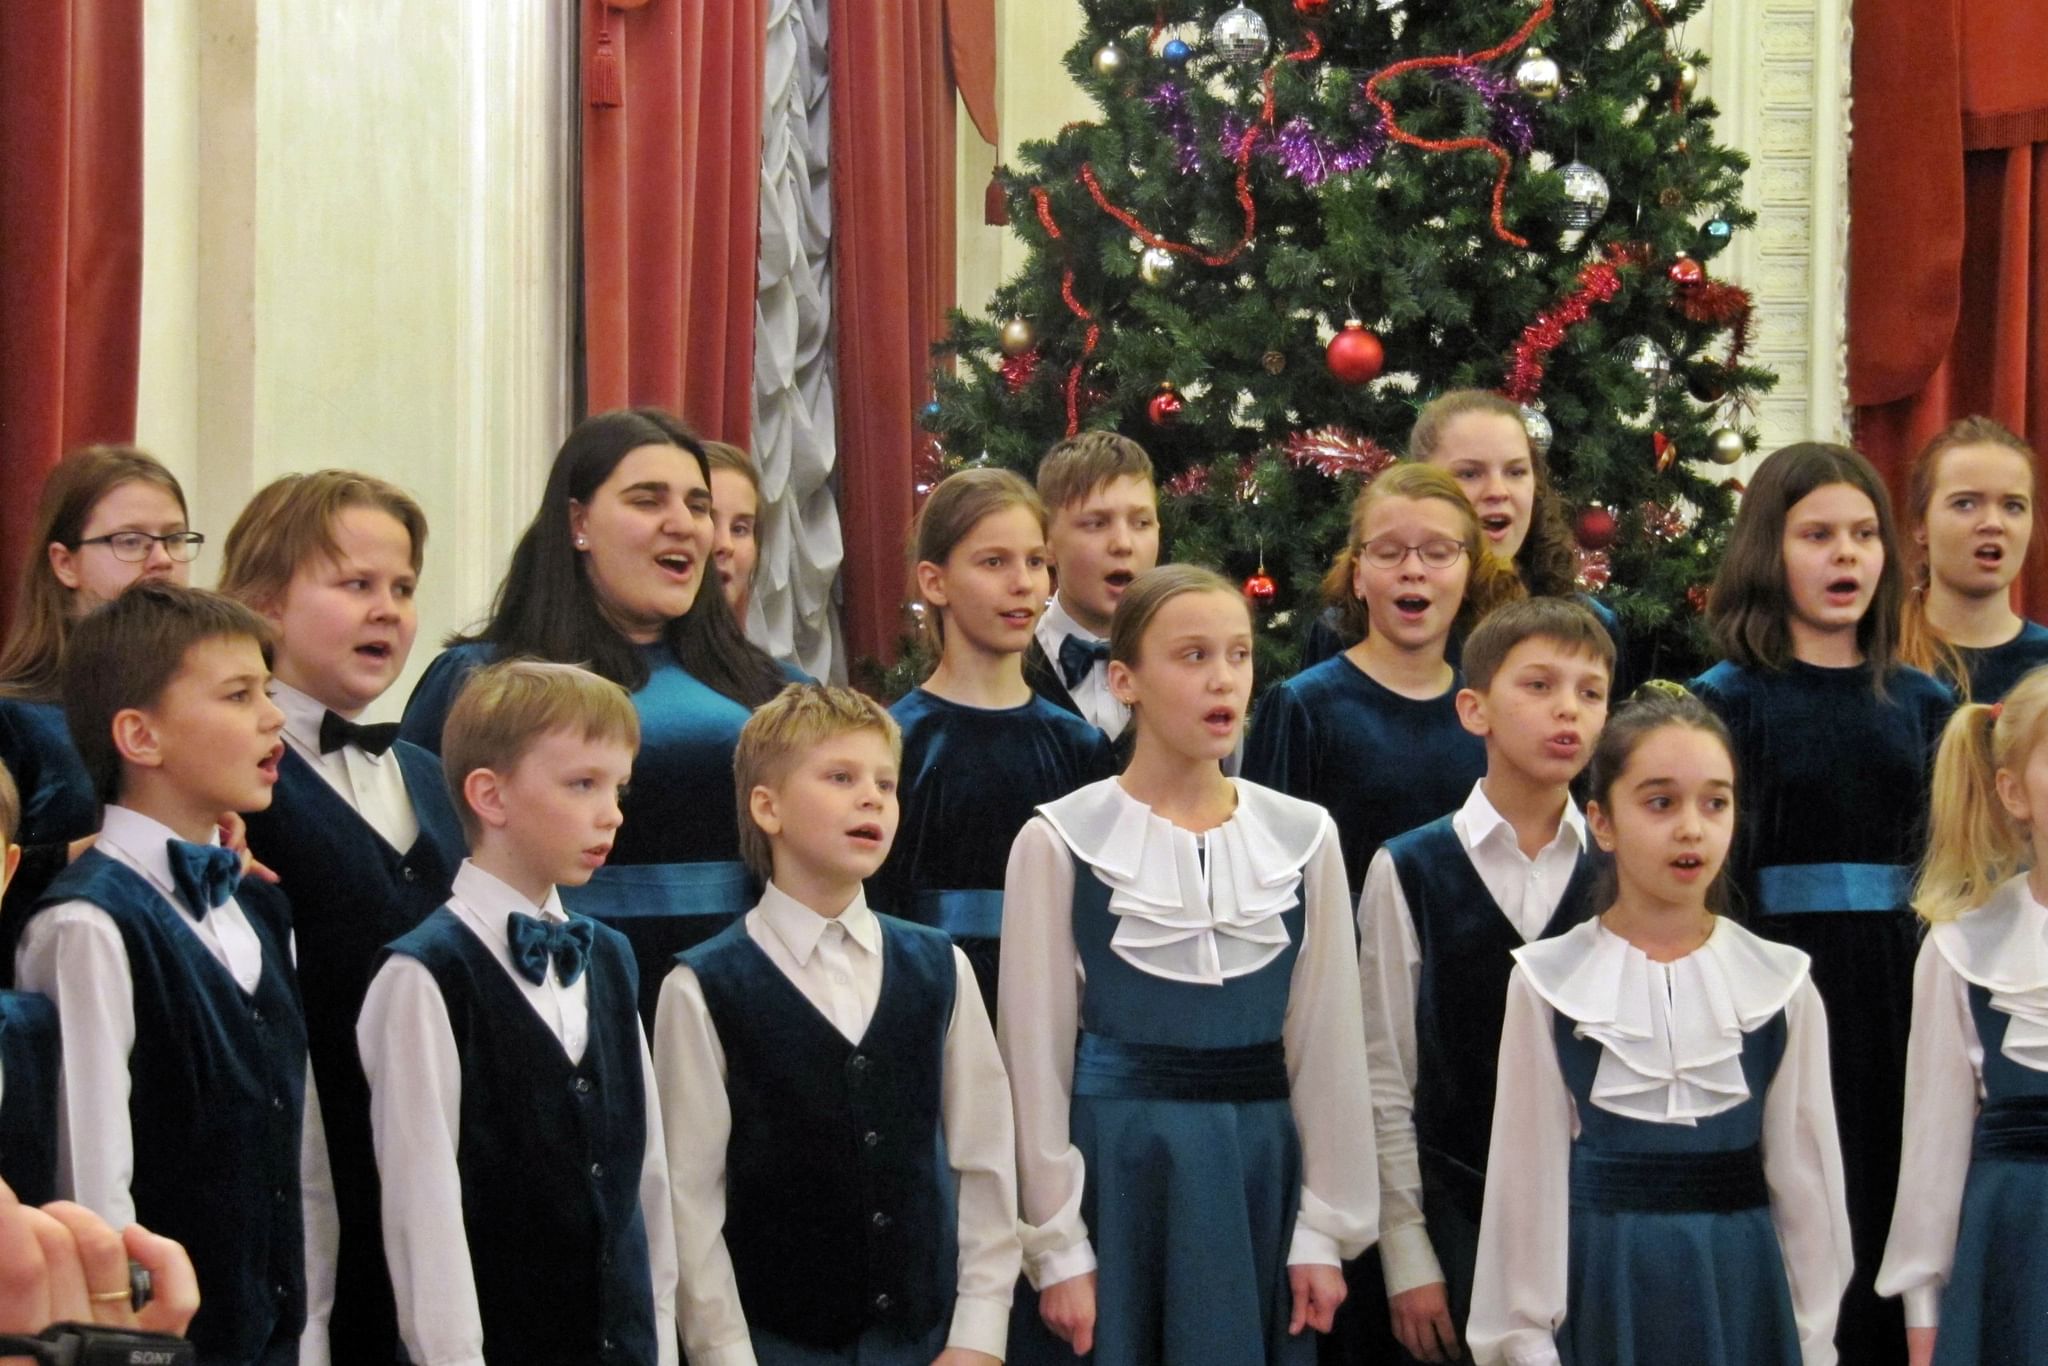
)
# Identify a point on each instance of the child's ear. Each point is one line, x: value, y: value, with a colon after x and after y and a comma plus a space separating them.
x: 1123, y: 685
x: 1358, y: 576
x: 931, y: 583
x: 2011, y: 794
x: 579, y: 519
x: 10, y: 865
x: 61, y: 565
x: 136, y: 739
x: 761, y: 805
x: 1602, y: 828
x: 1471, y: 705
x: 484, y: 790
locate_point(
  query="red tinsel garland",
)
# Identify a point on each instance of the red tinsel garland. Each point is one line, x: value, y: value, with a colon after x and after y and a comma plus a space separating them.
x: 1052, y: 228
x: 1337, y: 451
x: 1505, y: 163
x: 1599, y: 281
x: 1713, y: 304
x: 1020, y: 370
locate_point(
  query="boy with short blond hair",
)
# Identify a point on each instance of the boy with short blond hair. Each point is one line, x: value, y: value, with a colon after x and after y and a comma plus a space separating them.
x: 362, y: 834
x: 829, y: 1077
x: 1099, y: 492
x: 186, y: 1102
x: 1443, y: 909
x: 519, y: 1147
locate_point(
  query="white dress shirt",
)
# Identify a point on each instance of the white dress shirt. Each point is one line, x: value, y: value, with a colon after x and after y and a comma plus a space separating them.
x: 1527, y: 891
x: 1091, y: 694
x: 372, y: 784
x: 837, y: 964
x: 73, y: 953
x: 1210, y: 895
x: 2002, y: 947
x: 1678, y: 1069
x: 408, y: 1052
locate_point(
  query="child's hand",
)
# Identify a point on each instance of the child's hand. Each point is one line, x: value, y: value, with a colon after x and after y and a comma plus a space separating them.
x: 1422, y: 1321
x: 1069, y: 1311
x: 965, y: 1356
x: 1318, y: 1290
x: 1920, y: 1346
x: 234, y: 833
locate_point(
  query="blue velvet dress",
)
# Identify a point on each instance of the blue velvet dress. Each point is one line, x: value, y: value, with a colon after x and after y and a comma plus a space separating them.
x: 1382, y: 764
x: 971, y: 777
x: 1995, y: 668
x: 674, y: 878
x: 1832, y: 792
x: 57, y: 807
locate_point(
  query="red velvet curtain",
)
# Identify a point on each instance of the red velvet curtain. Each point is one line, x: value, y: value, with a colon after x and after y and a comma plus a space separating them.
x: 671, y: 207
x: 895, y: 67
x: 70, y: 238
x: 1948, y: 248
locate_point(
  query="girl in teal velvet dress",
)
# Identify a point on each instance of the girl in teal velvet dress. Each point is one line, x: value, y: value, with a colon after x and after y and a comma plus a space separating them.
x: 1181, y: 1023
x: 1664, y: 1185
x: 1967, y: 1252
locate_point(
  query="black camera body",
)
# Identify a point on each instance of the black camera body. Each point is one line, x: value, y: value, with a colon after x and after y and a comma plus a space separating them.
x: 84, y: 1344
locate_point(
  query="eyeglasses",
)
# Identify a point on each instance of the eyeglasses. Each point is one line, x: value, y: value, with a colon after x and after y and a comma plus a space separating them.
x: 1389, y: 554
x: 133, y: 547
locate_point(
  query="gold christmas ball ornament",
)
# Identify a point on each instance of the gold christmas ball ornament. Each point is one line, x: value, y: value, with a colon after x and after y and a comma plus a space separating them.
x: 1155, y: 266
x: 1688, y: 78
x: 1109, y: 60
x: 1537, y: 76
x: 1018, y: 336
x: 1725, y: 446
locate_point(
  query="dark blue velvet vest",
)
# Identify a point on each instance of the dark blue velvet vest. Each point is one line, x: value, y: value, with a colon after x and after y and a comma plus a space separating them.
x: 839, y: 1209
x: 216, y: 1100
x: 351, y: 894
x: 1461, y: 1000
x: 550, y: 1155
x: 28, y: 1095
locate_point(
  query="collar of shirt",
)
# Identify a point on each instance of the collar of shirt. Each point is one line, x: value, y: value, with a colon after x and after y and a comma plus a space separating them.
x: 1477, y: 823
x: 800, y: 928
x: 139, y: 842
x: 302, y: 717
x: 1055, y: 625
x: 484, y: 901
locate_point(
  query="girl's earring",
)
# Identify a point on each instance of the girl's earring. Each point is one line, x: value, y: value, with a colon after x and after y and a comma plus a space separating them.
x: 582, y: 544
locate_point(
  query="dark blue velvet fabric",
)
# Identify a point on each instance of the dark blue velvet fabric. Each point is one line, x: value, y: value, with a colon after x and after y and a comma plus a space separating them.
x: 1995, y: 668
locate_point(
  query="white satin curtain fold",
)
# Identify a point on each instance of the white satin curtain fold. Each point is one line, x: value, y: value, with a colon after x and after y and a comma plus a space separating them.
x: 795, y: 612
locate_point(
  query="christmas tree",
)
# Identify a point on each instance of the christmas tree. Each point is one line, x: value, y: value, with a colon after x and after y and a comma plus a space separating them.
x: 1298, y: 220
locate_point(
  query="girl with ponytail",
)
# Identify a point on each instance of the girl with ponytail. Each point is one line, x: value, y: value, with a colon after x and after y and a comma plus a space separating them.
x: 1965, y: 1250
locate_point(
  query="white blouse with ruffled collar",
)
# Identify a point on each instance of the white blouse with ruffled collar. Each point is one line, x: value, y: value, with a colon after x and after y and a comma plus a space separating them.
x: 1193, y: 907
x: 1670, y: 1034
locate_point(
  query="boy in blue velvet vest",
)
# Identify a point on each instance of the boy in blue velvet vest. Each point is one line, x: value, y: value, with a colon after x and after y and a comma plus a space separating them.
x: 1443, y: 909
x: 28, y: 1054
x: 362, y: 833
x: 185, y: 1101
x: 839, y: 1130
x: 525, y: 1192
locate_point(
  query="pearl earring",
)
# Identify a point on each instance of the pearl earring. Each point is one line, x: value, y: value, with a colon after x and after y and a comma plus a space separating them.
x: 582, y: 544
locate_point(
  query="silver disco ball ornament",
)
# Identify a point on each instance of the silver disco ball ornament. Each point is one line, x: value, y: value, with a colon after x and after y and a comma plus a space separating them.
x: 1648, y: 359
x: 1241, y: 35
x: 1538, y: 428
x: 1585, y: 197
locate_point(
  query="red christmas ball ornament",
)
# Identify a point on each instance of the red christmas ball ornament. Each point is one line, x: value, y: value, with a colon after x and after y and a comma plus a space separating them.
x: 1311, y: 9
x: 1696, y: 597
x: 1164, y: 409
x: 1665, y: 449
x: 1261, y: 589
x: 1596, y: 527
x: 1355, y: 355
x: 1686, y: 271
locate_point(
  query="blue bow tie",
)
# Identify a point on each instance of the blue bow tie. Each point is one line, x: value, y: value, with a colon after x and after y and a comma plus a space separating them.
x: 206, y: 875
x: 536, y: 941
x: 1078, y: 656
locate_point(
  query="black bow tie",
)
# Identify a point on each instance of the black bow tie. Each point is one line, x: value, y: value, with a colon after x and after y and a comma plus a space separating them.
x: 1078, y: 656
x: 336, y: 731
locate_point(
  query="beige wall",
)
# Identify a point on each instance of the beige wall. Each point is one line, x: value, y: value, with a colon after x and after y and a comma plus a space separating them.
x: 357, y: 254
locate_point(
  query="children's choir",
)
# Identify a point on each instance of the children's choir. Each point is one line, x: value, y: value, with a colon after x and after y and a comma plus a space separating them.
x: 638, y: 1000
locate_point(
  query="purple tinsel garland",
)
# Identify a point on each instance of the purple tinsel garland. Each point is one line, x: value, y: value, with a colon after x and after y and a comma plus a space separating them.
x: 1512, y: 124
x: 1171, y: 102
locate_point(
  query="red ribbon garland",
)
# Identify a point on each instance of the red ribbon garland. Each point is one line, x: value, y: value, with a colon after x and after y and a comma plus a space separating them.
x: 1599, y: 281
x: 1052, y: 228
x: 1391, y: 122
x: 1309, y: 52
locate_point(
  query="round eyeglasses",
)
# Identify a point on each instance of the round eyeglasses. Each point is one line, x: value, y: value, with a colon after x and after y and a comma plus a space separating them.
x: 133, y: 547
x: 1389, y: 554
